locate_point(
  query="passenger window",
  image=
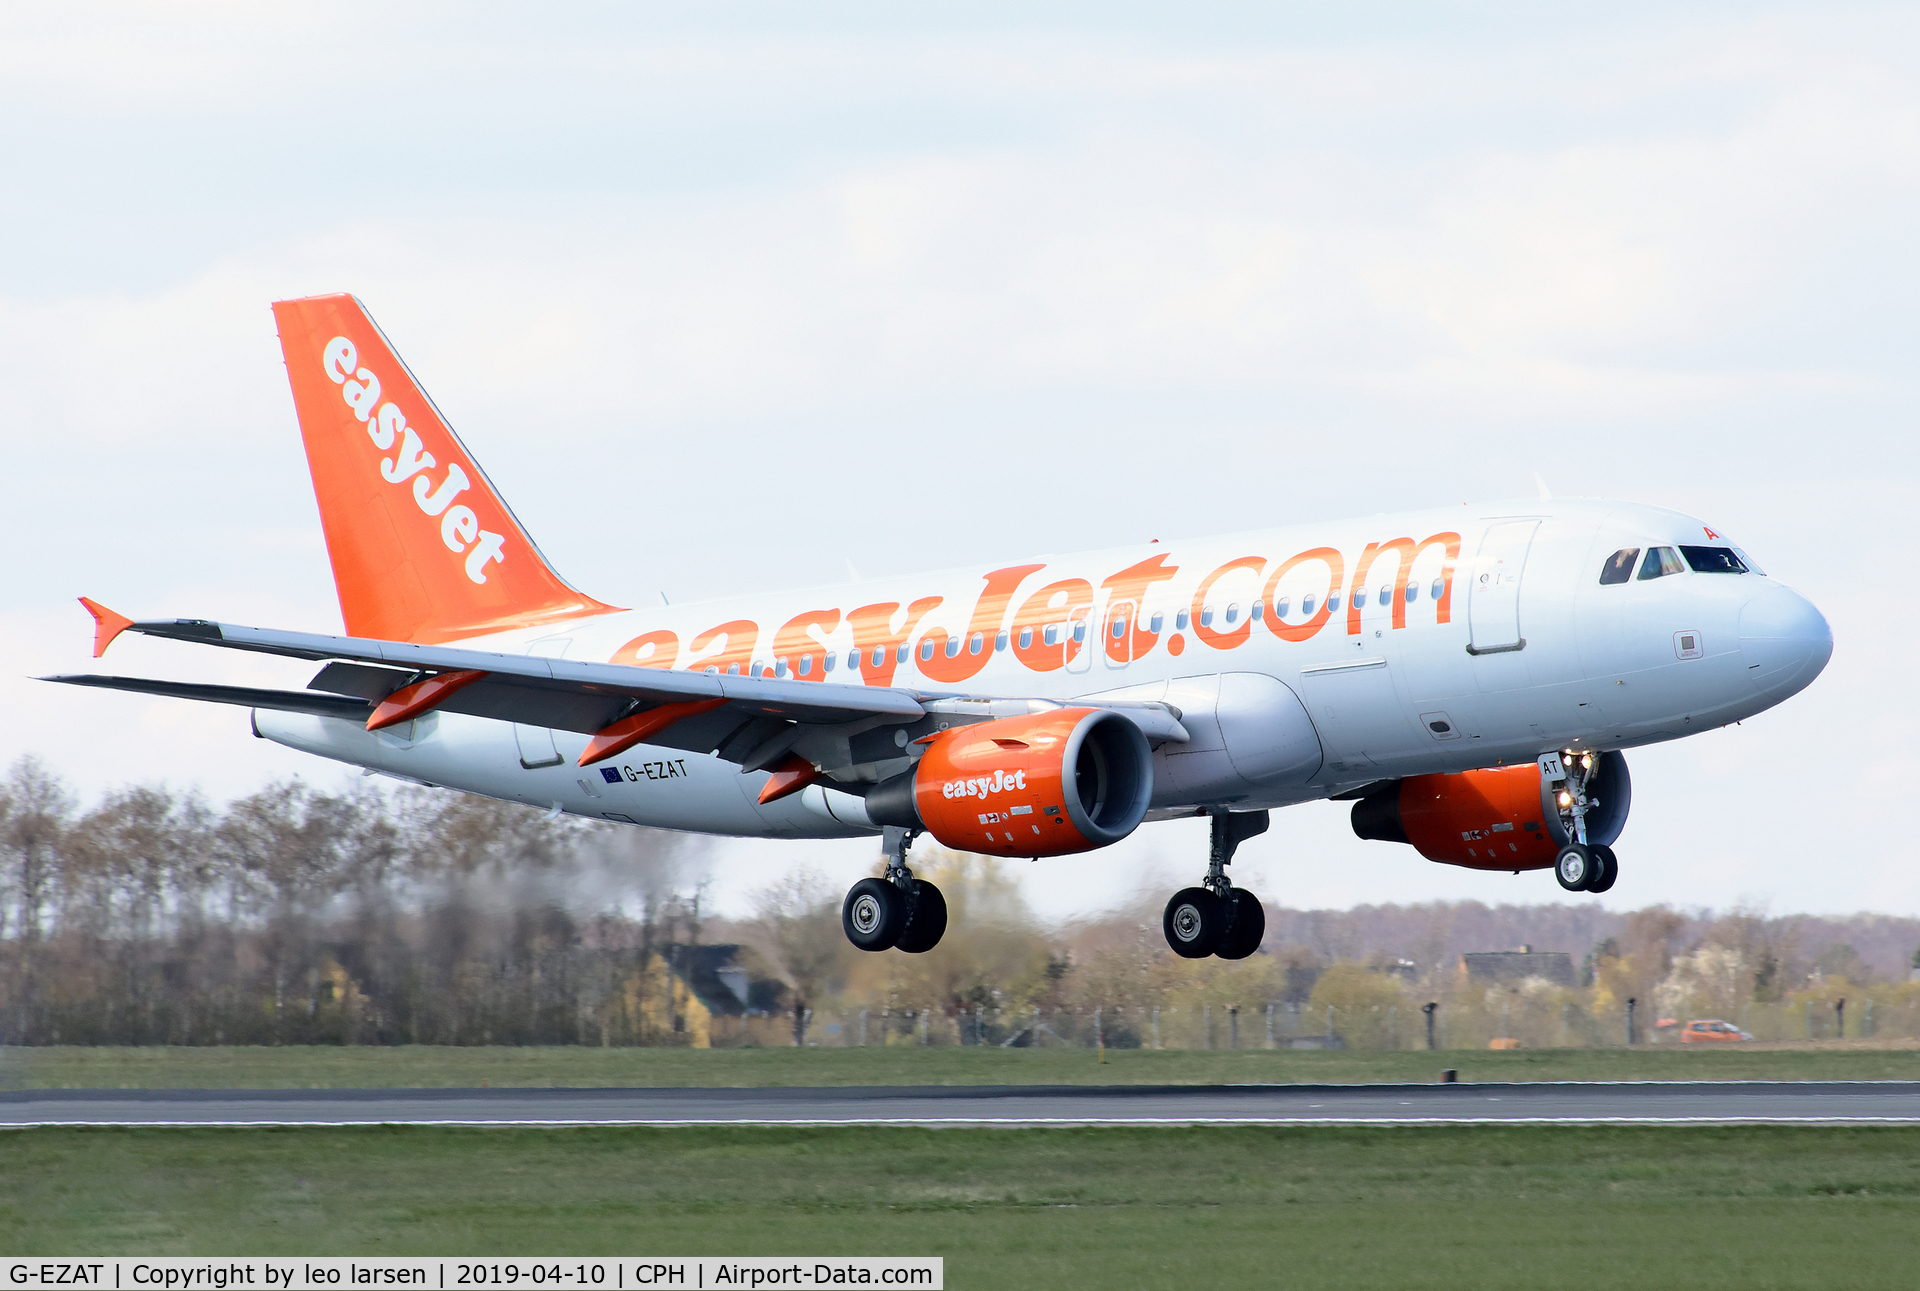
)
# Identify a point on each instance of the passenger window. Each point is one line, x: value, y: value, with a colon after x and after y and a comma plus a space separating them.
x: 1280, y: 608
x: 1439, y: 586
x: 899, y: 654
x: 1180, y: 621
x: 977, y: 643
x: 1052, y: 634
x: 1659, y: 563
x: 1386, y: 596
x: 827, y: 661
x: 1026, y: 638
x: 1080, y: 630
x: 1359, y: 597
x: 1233, y: 613
x: 806, y: 664
x: 1258, y: 611
x: 926, y: 649
x: 1619, y: 566
x: 1306, y: 607
x: 880, y: 655
x: 1158, y: 621
x: 1119, y: 626
x: 953, y: 648
x: 1413, y: 593
x: 1333, y: 603
x: 1000, y: 643
x: 1206, y: 616
x: 1714, y: 560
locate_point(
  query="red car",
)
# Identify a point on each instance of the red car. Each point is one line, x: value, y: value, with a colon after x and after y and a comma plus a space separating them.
x: 1711, y: 1031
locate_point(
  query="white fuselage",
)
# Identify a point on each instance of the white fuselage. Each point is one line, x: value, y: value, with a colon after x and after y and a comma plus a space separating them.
x: 1292, y: 676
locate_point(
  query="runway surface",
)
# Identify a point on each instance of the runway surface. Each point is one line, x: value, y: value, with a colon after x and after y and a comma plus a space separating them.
x: 1648, y: 1103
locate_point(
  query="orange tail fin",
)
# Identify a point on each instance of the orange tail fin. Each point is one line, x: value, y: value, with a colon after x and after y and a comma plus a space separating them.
x: 423, y: 548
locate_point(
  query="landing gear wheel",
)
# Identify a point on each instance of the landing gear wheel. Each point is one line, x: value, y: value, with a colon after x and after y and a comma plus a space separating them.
x: 1194, y: 922
x: 1576, y: 867
x: 928, y: 921
x: 875, y: 914
x: 1609, y: 868
x: 1246, y: 925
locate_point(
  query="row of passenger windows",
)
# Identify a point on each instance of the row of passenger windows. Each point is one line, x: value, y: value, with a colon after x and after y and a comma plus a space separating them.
x: 1662, y: 561
x: 1055, y: 634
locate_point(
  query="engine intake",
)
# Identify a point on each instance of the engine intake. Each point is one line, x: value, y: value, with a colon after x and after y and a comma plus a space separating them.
x: 1501, y: 818
x: 1045, y: 784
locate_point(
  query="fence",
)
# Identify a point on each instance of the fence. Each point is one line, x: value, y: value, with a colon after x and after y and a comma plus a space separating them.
x: 1561, y: 1020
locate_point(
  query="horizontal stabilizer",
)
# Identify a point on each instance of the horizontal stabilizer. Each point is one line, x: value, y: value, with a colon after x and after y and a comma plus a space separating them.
x: 290, y: 701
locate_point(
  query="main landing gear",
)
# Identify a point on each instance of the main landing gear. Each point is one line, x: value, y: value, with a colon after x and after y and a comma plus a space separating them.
x: 1218, y: 918
x: 898, y: 911
x: 1581, y: 866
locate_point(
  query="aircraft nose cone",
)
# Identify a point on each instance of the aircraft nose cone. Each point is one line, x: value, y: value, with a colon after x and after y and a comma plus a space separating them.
x: 1784, y: 641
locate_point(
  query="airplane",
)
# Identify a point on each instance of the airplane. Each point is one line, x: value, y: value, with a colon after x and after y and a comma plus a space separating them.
x: 1466, y: 677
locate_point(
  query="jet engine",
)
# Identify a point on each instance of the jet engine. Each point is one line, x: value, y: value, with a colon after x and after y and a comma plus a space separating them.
x: 1500, y: 818
x: 1042, y: 784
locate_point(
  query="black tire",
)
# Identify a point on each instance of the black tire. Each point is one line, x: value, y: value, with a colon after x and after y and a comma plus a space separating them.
x: 1609, y: 868
x: 1194, y: 922
x: 1576, y: 867
x: 928, y: 922
x: 874, y: 914
x: 1246, y: 925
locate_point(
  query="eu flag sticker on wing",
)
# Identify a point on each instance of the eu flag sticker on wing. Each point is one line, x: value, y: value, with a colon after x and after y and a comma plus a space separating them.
x: 610, y: 774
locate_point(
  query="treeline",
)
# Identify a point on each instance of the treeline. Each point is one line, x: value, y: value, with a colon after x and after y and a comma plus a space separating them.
x: 398, y: 915
x: 294, y: 916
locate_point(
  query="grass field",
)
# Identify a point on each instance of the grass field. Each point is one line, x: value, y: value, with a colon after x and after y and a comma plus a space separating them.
x: 328, y: 1067
x: 1484, y: 1206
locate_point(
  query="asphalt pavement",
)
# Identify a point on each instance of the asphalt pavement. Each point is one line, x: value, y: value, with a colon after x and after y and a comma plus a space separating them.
x: 1595, y: 1103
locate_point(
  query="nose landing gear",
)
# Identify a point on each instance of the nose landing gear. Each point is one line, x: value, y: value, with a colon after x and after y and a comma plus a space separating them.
x: 1581, y: 866
x: 1218, y: 918
x: 897, y: 911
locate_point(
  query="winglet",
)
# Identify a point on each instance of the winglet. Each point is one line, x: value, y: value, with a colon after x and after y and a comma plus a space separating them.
x: 106, y: 625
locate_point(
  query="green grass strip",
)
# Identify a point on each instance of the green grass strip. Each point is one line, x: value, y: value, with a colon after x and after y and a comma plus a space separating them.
x: 1483, y: 1207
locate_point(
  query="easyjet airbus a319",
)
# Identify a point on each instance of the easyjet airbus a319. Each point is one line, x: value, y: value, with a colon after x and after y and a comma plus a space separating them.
x: 1467, y: 677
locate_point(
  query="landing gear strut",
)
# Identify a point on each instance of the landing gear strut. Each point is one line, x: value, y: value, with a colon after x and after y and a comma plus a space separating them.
x: 898, y: 910
x: 1218, y: 918
x: 1581, y: 866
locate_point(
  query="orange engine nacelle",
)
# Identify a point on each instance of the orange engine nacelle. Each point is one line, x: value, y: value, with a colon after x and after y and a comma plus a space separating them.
x: 1502, y: 818
x: 1046, y: 784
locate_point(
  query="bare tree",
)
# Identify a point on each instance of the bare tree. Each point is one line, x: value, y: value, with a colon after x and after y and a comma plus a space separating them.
x: 797, y: 924
x: 35, y: 808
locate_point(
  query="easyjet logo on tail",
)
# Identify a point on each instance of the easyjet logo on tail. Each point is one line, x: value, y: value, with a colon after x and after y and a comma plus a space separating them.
x: 387, y: 427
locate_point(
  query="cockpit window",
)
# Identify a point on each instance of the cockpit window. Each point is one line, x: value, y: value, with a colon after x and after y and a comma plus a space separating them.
x: 1714, y: 560
x: 1660, y: 562
x: 1748, y: 562
x: 1619, y: 566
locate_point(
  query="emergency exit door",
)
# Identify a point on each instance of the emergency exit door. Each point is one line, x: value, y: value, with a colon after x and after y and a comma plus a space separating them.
x: 536, y: 745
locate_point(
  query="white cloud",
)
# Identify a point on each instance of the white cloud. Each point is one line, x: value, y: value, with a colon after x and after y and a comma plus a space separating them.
x: 1226, y: 274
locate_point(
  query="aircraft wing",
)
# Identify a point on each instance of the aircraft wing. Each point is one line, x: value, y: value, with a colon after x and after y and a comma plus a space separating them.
x: 753, y: 721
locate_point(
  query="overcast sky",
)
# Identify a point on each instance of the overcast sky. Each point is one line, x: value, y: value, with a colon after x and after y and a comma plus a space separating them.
x: 726, y: 301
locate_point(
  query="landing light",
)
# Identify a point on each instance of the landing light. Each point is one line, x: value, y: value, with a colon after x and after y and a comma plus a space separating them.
x: 1566, y: 799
